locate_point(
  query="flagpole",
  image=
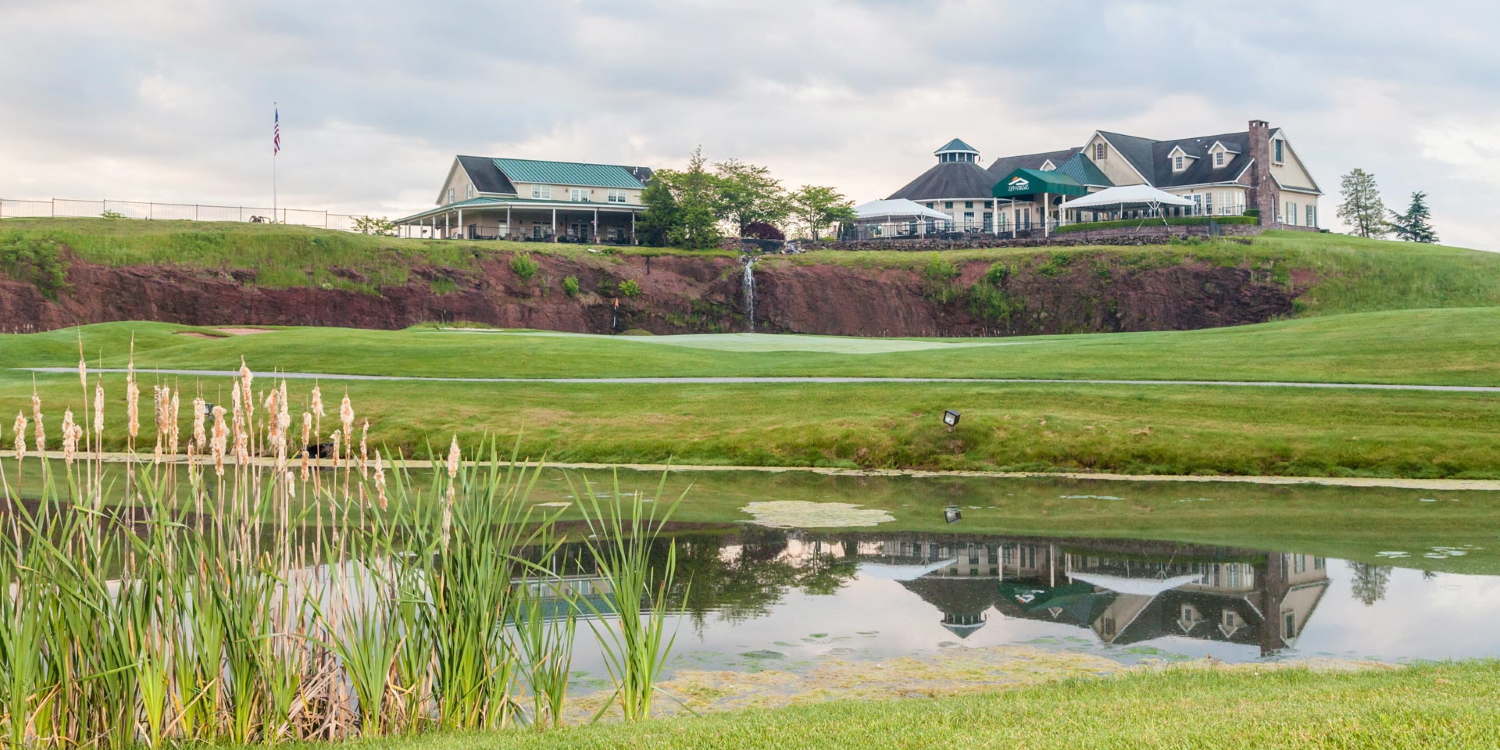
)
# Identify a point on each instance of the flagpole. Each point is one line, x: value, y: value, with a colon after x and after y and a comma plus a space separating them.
x: 274, y: 152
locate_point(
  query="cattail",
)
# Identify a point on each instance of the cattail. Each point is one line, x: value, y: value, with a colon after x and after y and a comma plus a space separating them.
x: 380, y: 480
x: 317, y: 401
x: 199, y: 436
x: 291, y: 484
x: 221, y: 435
x: 132, y: 398
x: 36, y: 414
x: 364, y: 453
x: 20, y: 431
x: 159, y: 411
x: 70, y: 433
x: 99, y: 408
x: 83, y: 368
x: 241, y: 437
x: 453, y: 457
x: 337, y: 437
x: 307, y: 446
x: 246, y: 378
x: 346, y: 416
x: 173, y: 425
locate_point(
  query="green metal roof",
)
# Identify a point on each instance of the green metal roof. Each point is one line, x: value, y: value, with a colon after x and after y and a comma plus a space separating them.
x: 956, y: 145
x: 1083, y: 170
x: 568, y: 173
x: 1024, y: 182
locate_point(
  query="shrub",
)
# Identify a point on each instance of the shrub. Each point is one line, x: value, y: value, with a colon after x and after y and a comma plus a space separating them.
x: 1176, y: 221
x: 570, y: 285
x: 760, y: 230
x: 940, y: 270
x: 36, y: 261
x: 523, y: 266
x: 998, y: 274
x: 111, y: 215
x: 628, y: 288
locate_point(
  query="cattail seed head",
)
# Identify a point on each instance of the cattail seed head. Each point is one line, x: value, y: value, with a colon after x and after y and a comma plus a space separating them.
x: 220, y: 439
x: 317, y: 401
x: 380, y: 480
x: 453, y: 458
x: 173, y: 425
x: 36, y: 414
x: 200, y: 436
x: 364, y: 451
x: 20, y: 431
x: 346, y: 416
x: 99, y: 408
x: 70, y: 433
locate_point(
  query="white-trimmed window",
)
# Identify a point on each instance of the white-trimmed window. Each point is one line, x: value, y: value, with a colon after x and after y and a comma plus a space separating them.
x: 1312, y: 216
x: 1219, y: 159
x: 450, y: 195
x: 617, y: 196
x: 1208, y: 203
x: 1100, y: 152
x: 1291, y: 213
x: 1280, y: 151
x: 468, y: 192
x: 542, y: 192
x: 1177, y: 163
x: 580, y: 195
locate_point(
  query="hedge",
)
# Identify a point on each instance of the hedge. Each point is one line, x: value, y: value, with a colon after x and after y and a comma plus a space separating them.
x: 1176, y: 221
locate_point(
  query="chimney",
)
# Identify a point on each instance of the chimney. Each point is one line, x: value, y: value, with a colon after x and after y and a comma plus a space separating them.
x: 1263, y: 193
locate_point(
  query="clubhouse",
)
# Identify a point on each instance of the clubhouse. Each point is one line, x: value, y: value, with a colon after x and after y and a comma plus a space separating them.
x: 1018, y: 196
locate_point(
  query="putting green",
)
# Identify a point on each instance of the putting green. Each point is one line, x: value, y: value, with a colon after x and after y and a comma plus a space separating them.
x: 761, y: 342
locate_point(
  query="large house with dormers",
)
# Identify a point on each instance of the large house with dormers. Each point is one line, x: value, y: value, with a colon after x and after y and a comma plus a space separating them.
x: 1223, y: 175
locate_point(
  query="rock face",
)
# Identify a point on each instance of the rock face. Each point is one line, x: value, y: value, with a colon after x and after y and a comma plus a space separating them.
x: 1086, y: 292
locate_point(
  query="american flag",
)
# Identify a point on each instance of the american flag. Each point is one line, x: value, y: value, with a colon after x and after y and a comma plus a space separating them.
x: 276, y: 134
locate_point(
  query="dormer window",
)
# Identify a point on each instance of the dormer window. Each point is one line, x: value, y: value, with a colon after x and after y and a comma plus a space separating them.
x: 1180, y: 159
x: 1219, y: 159
x: 1177, y: 163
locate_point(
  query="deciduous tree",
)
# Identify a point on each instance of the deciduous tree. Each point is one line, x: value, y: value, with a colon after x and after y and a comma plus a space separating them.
x: 1362, y: 209
x: 749, y: 194
x: 816, y: 207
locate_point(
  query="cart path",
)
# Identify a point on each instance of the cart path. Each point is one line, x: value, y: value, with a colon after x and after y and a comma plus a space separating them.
x: 1455, y: 485
x: 785, y: 380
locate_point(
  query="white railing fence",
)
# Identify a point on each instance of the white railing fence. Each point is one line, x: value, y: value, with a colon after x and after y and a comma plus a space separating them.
x: 64, y: 207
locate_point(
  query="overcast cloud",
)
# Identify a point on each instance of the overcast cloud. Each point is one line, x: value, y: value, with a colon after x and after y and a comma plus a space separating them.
x: 170, y: 100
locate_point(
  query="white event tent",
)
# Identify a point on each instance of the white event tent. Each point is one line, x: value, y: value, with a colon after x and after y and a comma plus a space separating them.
x: 1126, y: 197
x: 898, y: 217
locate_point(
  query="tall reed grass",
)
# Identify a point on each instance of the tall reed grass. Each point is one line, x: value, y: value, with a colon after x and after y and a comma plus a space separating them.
x: 262, y: 596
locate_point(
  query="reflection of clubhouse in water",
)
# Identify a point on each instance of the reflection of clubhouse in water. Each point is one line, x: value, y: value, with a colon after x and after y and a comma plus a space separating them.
x: 1125, y: 592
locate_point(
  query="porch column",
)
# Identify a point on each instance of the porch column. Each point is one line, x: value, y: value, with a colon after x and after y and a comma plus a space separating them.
x: 447, y: 225
x: 596, y: 225
x: 507, y: 222
x: 554, y: 225
x: 1046, y: 213
x: 461, y: 233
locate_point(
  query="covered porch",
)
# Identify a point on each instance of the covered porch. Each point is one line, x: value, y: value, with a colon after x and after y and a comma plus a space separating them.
x: 1032, y: 190
x: 521, y: 220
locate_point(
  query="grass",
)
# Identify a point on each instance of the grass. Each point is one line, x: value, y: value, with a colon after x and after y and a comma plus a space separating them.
x: 1177, y: 429
x: 1437, y: 706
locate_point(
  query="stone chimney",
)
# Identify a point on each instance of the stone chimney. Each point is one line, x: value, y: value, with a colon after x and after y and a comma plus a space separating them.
x: 1263, y: 192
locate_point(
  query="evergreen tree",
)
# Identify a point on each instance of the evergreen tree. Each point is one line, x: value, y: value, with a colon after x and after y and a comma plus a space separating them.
x: 1414, y: 225
x: 1362, y: 209
x: 697, y: 193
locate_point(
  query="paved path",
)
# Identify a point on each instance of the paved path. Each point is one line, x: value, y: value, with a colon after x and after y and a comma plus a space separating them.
x: 789, y: 380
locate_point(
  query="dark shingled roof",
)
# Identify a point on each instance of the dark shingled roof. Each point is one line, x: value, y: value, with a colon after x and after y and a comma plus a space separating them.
x: 950, y: 181
x: 487, y: 177
x: 1007, y: 164
x: 1201, y: 170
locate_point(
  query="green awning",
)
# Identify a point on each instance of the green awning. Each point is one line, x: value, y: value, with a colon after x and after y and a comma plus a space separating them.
x: 1026, y: 182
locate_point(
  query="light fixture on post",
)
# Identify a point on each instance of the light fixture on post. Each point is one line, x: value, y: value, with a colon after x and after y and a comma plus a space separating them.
x: 950, y: 418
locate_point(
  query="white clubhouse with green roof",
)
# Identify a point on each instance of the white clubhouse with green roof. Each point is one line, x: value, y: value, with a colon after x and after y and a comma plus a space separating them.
x: 527, y: 199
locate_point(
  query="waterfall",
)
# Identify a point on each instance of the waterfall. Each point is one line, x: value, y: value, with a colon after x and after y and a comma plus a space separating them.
x: 749, y: 284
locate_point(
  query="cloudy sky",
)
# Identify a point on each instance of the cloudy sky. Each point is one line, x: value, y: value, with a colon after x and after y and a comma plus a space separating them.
x: 170, y: 100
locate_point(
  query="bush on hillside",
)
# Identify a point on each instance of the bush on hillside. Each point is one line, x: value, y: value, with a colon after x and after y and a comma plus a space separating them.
x: 1176, y: 221
x: 570, y: 285
x: 759, y: 230
x: 523, y: 266
x: 628, y: 288
x: 36, y: 261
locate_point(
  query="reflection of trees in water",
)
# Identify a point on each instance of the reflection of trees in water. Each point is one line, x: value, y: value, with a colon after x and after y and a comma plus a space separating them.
x: 1370, y: 582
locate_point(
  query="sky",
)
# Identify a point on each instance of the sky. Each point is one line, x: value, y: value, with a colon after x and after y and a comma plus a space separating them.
x: 171, y: 100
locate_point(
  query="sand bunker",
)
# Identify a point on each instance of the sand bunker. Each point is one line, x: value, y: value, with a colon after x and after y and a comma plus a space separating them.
x: 243, y: 331
x: 799, y: 514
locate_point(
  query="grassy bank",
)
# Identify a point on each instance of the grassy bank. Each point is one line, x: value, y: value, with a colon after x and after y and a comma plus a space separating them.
x: 1340, y: 274
x: 1440, y: 706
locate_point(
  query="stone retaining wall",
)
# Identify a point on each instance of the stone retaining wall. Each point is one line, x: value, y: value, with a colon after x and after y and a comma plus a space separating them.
x: 1145, y: 235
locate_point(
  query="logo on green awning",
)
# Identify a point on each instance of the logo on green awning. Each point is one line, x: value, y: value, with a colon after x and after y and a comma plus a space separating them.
x: 1018, y: 184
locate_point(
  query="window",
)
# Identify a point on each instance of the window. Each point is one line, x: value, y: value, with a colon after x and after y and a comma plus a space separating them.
x: 1280, y: 156
x: 1312, y: 216
x: 1289, y: 629
x: 617, y: 196
x: 579, y: 195
x: 1219, y: 159
x: 968, y: 204
x: 1208, y: 203
x: 1100, y: 152
x: 542, y: 192
x: 450, y: 195
x: 1197, y: 204
x: 929, y: 205
x: 948, y: 204
x: 968, y: 219
x: 1177, y: 163
x: 468, y: 191
x: 1291, y: 213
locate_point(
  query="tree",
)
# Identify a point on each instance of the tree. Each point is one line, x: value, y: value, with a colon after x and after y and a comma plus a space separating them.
x: 654, y: 226
x: 749, y: 194
x: 375, y: 225
x: 1369, y: 582
x: 697, y: 194
x: 1413, y: 226
x: 816, y: 207
x: 1362, y: 209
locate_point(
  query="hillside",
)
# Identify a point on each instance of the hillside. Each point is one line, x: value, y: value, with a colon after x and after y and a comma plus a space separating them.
x: 56, y: 273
